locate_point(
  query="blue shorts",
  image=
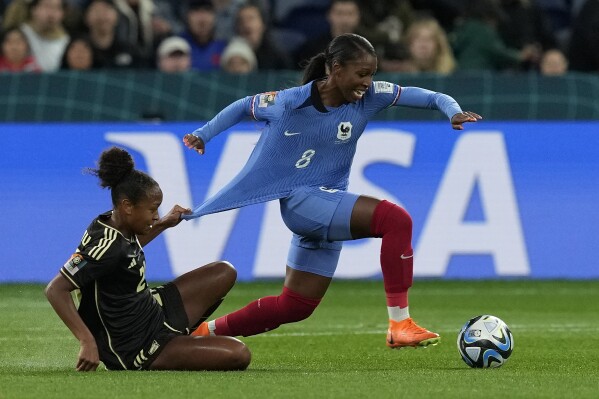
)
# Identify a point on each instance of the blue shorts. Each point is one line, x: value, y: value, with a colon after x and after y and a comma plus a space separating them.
x: 320, y: 220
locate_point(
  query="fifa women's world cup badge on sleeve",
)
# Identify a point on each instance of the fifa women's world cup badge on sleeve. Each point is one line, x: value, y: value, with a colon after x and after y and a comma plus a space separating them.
x: 267, y: 99
x: 75, y: 263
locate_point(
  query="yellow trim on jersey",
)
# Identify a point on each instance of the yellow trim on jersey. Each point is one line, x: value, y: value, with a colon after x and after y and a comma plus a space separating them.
x: 157, y: 297
x: 104, y: 243
x: 104, y: 325
x: 171, y: 328
x: 85, y: 239
x: 139, y: 359
x: 112, y: 228
x: 69, y: 278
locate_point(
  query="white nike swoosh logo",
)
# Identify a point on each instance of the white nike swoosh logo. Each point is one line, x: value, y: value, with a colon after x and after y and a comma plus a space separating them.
x: 406, y: 257
x: 288, y: 133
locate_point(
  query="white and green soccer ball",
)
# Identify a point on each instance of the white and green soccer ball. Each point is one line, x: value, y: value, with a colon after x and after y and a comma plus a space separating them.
x: 485, y: 341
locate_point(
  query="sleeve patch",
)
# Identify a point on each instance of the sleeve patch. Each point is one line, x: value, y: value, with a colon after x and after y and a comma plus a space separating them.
x: 383, y: 87
x: 74, y: 264
x: 267, y: 99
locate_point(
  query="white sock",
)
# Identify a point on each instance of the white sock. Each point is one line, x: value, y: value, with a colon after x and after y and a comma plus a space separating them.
x: 212, y: 326
x: 395, y: 313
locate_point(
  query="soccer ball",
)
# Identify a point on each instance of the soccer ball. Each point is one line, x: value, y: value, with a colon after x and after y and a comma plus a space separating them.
x: 485, y: 341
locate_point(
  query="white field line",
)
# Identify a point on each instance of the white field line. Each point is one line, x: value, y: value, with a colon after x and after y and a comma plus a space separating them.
x: 41, y: 334
x: 570, y: 328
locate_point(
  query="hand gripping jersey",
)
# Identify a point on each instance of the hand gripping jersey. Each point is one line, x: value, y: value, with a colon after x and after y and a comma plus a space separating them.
x: 303, y: 142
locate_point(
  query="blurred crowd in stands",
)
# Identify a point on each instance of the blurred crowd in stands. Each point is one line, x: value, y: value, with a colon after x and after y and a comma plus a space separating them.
x: 550, y: 37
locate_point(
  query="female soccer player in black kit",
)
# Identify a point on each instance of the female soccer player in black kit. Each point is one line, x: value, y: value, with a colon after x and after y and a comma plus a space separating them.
x: 122, y: 322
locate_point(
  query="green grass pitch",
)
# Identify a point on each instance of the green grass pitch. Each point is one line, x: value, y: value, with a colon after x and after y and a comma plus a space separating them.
x: 340, y: 351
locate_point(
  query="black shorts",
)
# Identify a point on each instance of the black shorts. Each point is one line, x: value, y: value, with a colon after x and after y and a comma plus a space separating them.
x: 175, y: 324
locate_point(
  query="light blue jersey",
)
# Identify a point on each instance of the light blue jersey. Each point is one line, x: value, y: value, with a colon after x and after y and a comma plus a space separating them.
x: 304, y: 143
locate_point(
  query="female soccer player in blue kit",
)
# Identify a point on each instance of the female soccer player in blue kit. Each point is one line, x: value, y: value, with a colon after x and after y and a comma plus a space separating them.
x: 303, y: 158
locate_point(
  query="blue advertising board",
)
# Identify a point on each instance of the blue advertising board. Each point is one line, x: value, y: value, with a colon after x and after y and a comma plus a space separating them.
x: 497, y: 200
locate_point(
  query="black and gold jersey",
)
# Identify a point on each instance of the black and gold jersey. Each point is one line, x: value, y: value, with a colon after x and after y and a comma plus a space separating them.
x: 116, y: 304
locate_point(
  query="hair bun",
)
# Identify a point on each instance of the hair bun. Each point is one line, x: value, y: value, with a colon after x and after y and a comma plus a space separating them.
x: 114, y: 165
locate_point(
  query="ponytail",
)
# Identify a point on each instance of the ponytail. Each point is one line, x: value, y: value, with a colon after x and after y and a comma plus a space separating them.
x: 315, y: 68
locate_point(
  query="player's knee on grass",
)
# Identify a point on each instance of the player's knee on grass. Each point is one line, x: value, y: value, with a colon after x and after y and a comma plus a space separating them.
x: 240, y: 357
x: 203, y: 353
x: 231, y: 354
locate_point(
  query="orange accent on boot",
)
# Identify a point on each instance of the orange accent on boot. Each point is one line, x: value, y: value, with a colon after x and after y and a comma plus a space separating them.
x: 408, y: 333
x: 201, y: 331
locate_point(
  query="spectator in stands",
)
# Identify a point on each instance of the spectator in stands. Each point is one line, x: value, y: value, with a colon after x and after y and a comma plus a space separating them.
x: 78, y: 56
x: 524, y: 24
x: 101, y: 19
x: 225, y: 12
x: 135, y: 27
x: 45, y: 32
x: 553, y: 63
x: 17, y: 12
x: 343, y: 17
x: 15, y: 54
x: 252, y: 27
x: 385, y: 21
x: 584, y: 43
x: 238, y: 57
x: 174, y: 55
x: 428, y: 48
x: 205, y: 48
x: 446, y: 12
x: 477, y: 45
x: 166, y: 20
x: 226, y: 15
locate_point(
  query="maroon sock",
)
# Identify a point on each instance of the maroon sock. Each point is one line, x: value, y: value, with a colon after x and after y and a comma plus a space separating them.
x: 394, y: 225
x: 266, y: 314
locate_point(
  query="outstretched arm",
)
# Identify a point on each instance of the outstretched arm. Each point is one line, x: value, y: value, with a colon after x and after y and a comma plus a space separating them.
x: 423, y: 98
x: 58, y: 292
x: 226, y: 118
x: 171, y: 219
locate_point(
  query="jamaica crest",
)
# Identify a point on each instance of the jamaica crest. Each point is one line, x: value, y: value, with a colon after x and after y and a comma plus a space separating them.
x: 343, y: 132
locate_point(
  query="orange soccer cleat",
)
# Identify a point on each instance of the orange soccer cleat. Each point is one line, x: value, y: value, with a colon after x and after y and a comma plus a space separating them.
x: 408, y: 333
x: 201, y: 331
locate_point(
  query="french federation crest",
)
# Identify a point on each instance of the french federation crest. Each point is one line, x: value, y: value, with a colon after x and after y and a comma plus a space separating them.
x: 344, y: 131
